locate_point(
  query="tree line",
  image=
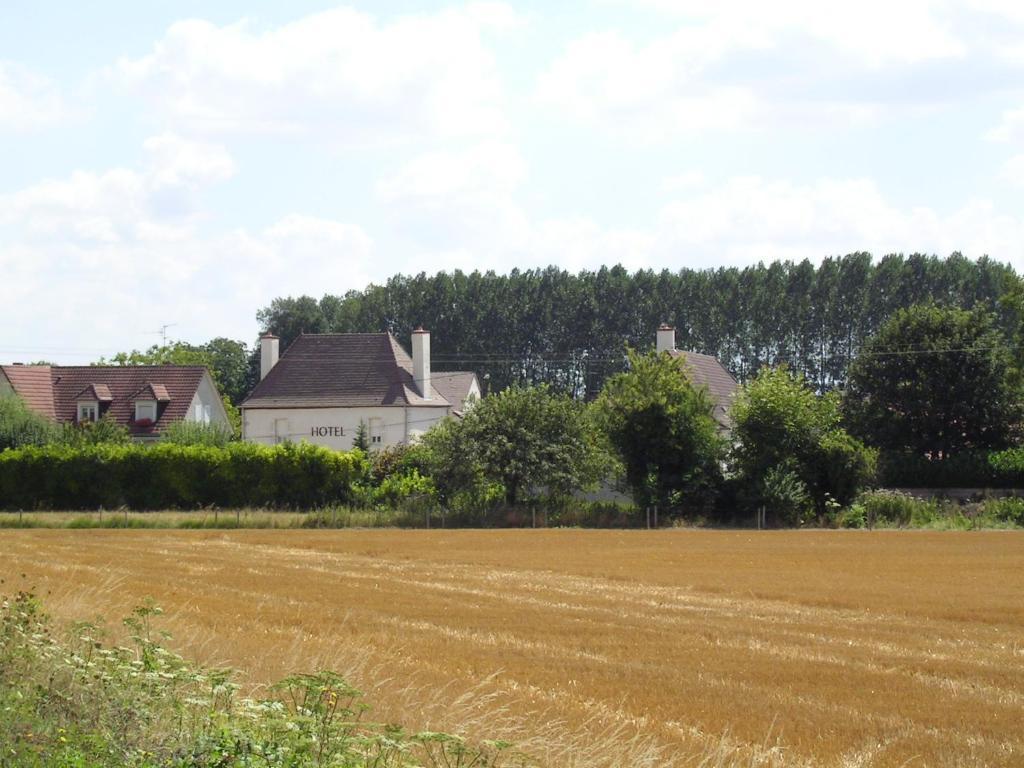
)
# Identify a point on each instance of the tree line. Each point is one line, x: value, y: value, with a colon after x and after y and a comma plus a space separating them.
x: 570, y: 330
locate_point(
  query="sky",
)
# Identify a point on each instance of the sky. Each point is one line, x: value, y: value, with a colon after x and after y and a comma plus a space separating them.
x: 184, y: 163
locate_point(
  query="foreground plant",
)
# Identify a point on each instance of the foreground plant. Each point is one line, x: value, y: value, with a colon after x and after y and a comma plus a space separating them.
x: 77, y: 701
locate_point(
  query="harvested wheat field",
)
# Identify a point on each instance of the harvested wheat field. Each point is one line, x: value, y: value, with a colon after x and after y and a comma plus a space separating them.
x: 600, y: 648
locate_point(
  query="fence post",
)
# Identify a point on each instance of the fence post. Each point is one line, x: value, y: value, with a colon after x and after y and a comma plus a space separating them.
x: 655, y: 515
x: 648, y: 511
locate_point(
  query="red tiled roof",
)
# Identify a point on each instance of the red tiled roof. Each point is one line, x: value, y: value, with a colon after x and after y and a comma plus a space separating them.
x: 324, y: 370
x: 707, y: 371
x: 54, y: 391
x: 33, y: 384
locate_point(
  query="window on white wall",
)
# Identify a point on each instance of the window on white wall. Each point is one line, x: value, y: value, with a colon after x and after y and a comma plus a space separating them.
x: 88, y: 411
x: 280, y: 430
x: 145, y: 409
x: 376, y: 431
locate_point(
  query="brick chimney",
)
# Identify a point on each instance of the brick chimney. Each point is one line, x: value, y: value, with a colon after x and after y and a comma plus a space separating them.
x: 666, y: 338
x: 269, y: 349
x: 421, y: 361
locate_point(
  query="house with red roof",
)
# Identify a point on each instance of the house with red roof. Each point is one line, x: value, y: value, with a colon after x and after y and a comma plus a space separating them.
x: 326, y: 384
x: 142, y: 398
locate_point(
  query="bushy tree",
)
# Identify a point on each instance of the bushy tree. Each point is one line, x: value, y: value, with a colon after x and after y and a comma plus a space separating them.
x: 662, y: 429
x: 789, y: 442
x: 935, y: 380
x: 228, y: 361
x: 529, y: 440
x: 105, y: 431
x: 19, y: 425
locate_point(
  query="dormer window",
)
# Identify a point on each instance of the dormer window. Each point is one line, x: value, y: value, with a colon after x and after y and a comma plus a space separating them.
x: 145, y: 410
x: 88, y: 411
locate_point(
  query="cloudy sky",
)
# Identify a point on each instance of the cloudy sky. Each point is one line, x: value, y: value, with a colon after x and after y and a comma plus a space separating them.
x: 186, y: 162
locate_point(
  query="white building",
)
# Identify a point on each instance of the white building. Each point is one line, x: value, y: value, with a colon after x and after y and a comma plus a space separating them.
x: 325, y: 385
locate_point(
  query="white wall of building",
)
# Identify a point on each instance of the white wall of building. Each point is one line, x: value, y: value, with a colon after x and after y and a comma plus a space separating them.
x: 206, y: 406
x: 336, y: 427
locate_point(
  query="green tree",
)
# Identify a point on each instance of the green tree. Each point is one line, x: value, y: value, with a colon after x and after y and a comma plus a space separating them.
x: 362, y: 438
x: 229, y: 363
x: 530, y: 440
x: 935, y: 380
x: 661, y: 428
x: 19, y: 425
x: 789, y: 443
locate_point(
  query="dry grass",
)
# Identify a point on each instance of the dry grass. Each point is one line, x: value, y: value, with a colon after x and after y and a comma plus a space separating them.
x: 601, y: 648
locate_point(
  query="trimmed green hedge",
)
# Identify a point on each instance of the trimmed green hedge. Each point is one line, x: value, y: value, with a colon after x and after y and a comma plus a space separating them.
x: 968, y: 469
x: 167, y: 476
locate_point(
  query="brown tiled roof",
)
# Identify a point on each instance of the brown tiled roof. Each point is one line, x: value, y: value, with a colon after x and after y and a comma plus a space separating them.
x: 55, y: 390
x: 707, y: 371
x: 454, y: 386
x: 153, y: 391
x: 100, y: 392
x: 325, y: 370
x: 33, y: 384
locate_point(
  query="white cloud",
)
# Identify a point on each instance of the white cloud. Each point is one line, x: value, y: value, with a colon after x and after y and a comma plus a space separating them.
x: 1010, y: 127
x: 749, y: 219
x: 1013, y: 171
x: 178, y: 162
x: 340, y: 75
x: 874, y: 32
x: 27, y: 99
x: 647, y: 91
x: 95, y: 260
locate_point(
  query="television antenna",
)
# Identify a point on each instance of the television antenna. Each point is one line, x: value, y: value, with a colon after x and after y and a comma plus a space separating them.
x: 162, y: 333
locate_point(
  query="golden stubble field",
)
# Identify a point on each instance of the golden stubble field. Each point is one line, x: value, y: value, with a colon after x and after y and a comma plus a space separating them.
x: 600, y: 648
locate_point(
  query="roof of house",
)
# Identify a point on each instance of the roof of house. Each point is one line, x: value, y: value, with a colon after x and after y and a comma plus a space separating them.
x: 55, y: 391
x: 707, y: 371
x: 324, y: 370
x: 33, y: 384
x: 454, y: 386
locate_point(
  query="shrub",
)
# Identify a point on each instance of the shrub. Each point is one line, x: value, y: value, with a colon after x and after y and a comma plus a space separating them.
x: 893, y: 508
x: 167, y: 476
x: 785, y: 495
x: 20, y: 426
x: 1005, y: 510
x: 196, y: 433
x: 104, y: 431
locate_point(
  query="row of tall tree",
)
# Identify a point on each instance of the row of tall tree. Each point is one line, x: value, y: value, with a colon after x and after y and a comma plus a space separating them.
x: 570, y: 330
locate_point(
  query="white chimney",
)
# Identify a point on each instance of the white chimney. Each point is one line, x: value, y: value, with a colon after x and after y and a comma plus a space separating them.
x: 421, y: 361
x: 269, y: 347
x: 666, y: 338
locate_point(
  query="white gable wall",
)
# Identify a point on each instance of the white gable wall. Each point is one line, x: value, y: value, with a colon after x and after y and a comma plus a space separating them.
x: 207, y: 400
x: 336, y: 427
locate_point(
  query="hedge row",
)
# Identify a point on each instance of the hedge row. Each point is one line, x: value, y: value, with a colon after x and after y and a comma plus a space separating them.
x: 171, y: 476
x: 969, y: 469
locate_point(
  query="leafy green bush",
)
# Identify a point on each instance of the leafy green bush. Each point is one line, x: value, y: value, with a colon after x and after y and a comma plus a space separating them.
x: 785, y: 495
x: 1005, y: 510
x: 399, y: 490
x: 106, y: 431
x: 19, y: 425
x: 196, y: 433
x: 893, y: 508
x: 170, y: 476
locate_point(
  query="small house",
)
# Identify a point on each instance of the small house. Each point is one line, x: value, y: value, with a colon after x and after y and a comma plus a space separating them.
x: 144, y: 399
